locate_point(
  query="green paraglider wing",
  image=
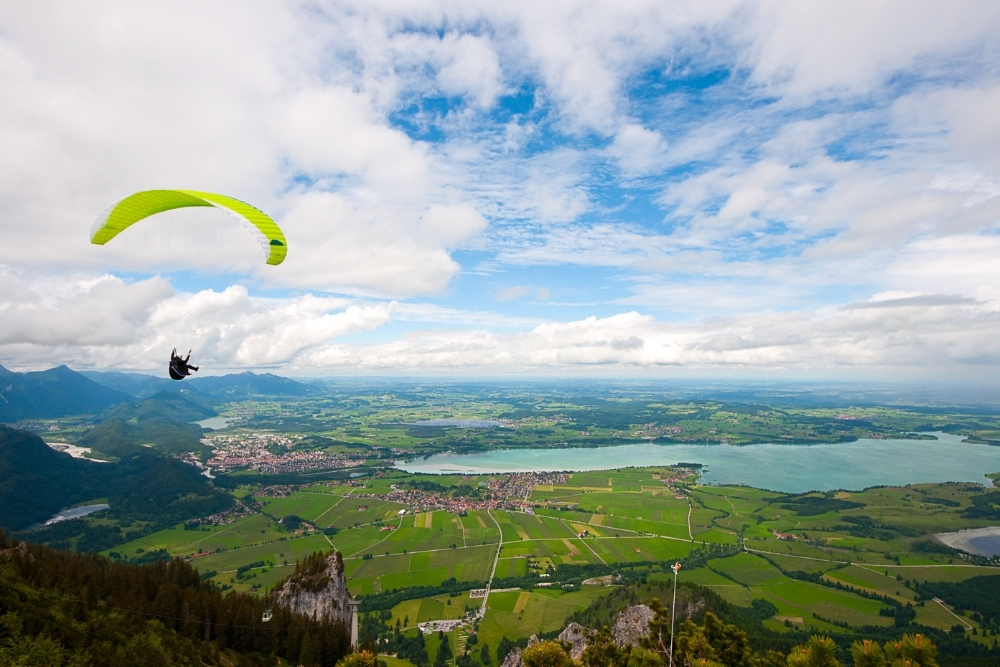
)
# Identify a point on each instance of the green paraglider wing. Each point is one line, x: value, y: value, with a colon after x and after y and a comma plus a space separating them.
x: 126, y: 212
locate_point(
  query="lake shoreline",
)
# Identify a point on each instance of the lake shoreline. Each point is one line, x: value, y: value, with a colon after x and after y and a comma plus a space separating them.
x: 979, y: 541
x: 782, y: 467
x: 665, y: 440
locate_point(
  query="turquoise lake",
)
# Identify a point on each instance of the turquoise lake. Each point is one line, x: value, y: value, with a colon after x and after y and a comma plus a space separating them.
x: 214, y: 423
x: 777, y: 467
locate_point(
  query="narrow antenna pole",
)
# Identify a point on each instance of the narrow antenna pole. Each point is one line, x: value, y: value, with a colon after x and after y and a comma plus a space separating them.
x: 676, y: 568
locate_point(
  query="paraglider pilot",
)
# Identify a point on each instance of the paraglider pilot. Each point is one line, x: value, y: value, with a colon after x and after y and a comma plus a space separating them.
x: 180, y: 368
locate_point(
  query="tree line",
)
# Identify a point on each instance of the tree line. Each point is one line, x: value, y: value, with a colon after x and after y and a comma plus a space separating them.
x: 84, y: 609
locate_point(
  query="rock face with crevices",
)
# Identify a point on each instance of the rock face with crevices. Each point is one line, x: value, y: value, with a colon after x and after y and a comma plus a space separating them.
x: 318, y: 589
x: 632, y: 625
x: 513, y: 658
x: 576, y: 636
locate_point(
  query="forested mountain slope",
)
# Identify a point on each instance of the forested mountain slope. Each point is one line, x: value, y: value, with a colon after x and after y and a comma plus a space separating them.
x: 163, y: 421
x: 59, y: 609
x: 36, y: 482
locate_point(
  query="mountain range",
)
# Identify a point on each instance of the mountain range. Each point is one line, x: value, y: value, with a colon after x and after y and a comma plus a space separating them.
x: 236, y: 385
x: 57, y: 392
x: 60, y: 391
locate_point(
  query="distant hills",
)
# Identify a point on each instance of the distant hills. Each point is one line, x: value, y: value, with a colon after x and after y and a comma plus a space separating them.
x: 37, y: 481
x: 163, y: 421
x: 143, y: 421
x: 60, y: 392
x: 225, y: 387
x: 245, y: 385
x: 57, y: 392
x: 136, y: 385
x: 182, y: 406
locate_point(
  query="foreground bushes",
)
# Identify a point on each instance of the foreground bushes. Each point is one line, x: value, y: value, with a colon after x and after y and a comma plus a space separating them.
x: 715, y: 643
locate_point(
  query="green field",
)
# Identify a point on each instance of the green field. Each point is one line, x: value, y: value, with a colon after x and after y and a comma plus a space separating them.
x: 635, y: 549
x: 565, y: 550
x: 383, y: 573
x: 604, y: 520
x: 630, y: 505
x: 823, y: 559
x: 252, y: 530
x: 727, y: 589
x: 748, y: 569
x: 797, y: 601
x: 538, y: 611
x: 309, y: 505
x: 353, y: 512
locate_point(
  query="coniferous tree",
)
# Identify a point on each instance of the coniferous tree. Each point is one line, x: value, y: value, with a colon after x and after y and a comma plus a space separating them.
x: 602, y: 650
x: 359, y: 659
x: 867, y: 653
x: 443, y: 652
x: 547, y: 654
x: 159, y: 613
x: 817, y: 652
x: 913, y: 651
x: 641, y: 657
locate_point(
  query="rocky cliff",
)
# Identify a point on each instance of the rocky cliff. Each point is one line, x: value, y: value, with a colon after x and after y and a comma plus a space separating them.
x: 317, y: 589
x: 513, y: 658
x: 576, y: 636
x: 631, y: 625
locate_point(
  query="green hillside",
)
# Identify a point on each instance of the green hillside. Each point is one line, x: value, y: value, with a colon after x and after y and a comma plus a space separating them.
x: 142, y: 488
x: 64, y: 609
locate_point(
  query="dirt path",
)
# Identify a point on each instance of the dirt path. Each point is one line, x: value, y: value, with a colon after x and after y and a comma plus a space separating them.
x: 690, y: 509
x: 945, y: 607
x: 331, y: 508
x: 461, y: 527
x: 592, y: 551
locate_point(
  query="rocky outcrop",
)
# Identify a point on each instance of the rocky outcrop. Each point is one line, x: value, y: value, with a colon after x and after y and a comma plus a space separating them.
x: 317, y: 589
x: 20, y: 552
x: 513, y: 658
x: 576, y: 636
x: 692, y: 608
x: 632, y: 625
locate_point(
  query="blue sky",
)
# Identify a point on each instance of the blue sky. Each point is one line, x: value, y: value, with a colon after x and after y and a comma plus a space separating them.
x: 654, y: 189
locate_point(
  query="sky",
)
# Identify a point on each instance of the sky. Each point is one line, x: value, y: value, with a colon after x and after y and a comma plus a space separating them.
x: 762, y: 189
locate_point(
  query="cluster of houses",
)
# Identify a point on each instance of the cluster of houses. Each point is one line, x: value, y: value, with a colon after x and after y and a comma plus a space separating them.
x: 508, y: 492
x: 271, y: 453
x: 654, y: 431
x: 241, y: 509
x: 276, y: 491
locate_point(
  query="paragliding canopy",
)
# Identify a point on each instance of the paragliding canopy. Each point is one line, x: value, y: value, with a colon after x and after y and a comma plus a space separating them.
x: 126, y: 212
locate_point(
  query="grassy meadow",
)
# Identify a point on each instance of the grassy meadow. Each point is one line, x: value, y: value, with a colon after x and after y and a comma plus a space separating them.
x: 823, y: 560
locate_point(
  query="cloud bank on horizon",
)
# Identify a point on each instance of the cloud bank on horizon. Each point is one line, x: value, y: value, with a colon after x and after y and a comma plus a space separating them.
x: 726, y: 187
